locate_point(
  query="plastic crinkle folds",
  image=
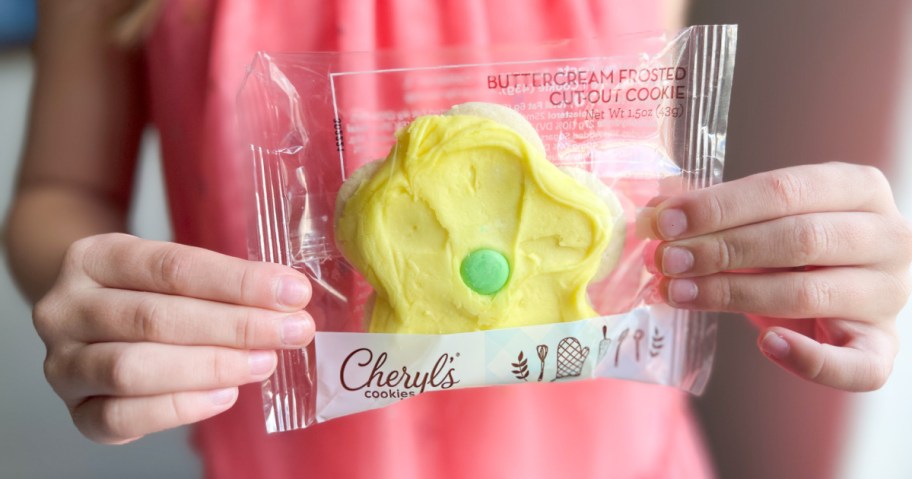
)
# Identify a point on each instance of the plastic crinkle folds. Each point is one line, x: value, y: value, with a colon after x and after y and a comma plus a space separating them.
x: 466, y: 215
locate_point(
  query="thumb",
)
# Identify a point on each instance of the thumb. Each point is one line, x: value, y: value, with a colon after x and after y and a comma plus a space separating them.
x: 858, y: 365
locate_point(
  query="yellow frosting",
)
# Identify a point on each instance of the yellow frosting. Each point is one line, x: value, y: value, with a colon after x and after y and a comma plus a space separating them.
x: 453, y: 185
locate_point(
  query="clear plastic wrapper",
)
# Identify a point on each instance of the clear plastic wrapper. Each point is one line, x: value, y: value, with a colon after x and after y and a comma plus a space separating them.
x: 603, y: 124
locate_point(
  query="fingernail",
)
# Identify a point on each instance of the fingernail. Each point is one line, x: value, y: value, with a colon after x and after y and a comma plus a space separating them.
x: 220, y: 397
x: 296, y: 330
x: 293, y: 291
x: 774, y: 345
x: 682, y: 291
x: 261, y: 362
x: 671, y: 223
x: 677, y: 260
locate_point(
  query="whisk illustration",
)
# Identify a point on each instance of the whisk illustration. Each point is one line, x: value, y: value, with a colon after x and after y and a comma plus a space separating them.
x: 542, y: 354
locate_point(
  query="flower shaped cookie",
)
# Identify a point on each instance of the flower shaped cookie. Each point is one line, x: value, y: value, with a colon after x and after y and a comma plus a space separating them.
x: 467, y: 226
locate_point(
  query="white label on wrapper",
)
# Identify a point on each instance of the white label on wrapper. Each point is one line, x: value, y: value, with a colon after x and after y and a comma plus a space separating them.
x: 361, y: 371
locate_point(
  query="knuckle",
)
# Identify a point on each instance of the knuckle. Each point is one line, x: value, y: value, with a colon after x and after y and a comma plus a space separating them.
x: 172, y: 267
x: 221, y: 367
x: 245, y: 331
x: 112, y: 421
x: 716, y: 212
x: 56, y: 318
x: 904, y: 241
x: 121, y: 377
x: 726, y: 295
x: 789, y: 188
x: 250, y: 279
x: 76, y: 254
x: 875, y: 372
x: 899, y: 288
x: 728, y: 256
x: 904, y: 282
x: 814, y: 371
x: 180, y: 410
x: 53, y: 370
x: 812, y: 239
x: 813, y: 297
x: 148, y: 319
x: 873, y: 176
x: 43, y: 315
x: 877, y: 183
x: 82, y: 252
x: 882, y: 371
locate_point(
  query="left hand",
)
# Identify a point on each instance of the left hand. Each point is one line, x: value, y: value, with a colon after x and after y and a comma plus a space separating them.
x: 818, y: 255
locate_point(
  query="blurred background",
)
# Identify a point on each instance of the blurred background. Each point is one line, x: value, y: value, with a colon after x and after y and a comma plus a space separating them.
x: 37, y: 438
x: 815, y: 81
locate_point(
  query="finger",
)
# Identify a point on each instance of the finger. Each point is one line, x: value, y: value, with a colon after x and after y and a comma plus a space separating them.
x: 805, y: 189
x: 118, y: 420
x: 125, y: 262
x: 852, y: 293
x: 142, y: 369
x: 132, y: 316
x: 862, y: 365
x: 818, y: 239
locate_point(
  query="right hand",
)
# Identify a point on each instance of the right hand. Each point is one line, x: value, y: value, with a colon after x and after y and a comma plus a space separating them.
x: 144, y: 336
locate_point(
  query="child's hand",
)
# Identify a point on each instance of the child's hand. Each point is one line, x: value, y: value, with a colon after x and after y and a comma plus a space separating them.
x: 143, y: 336
x: 819, y: 255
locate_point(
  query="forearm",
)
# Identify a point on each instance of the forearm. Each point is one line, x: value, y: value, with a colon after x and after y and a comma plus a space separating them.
x: 85, y: 122
x: 42, y: 224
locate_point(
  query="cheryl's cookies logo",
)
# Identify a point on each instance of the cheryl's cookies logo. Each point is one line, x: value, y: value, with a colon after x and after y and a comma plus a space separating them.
x: 363, y: 370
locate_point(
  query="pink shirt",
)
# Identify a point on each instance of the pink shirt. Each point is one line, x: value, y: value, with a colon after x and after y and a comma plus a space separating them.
x: 197, y: 59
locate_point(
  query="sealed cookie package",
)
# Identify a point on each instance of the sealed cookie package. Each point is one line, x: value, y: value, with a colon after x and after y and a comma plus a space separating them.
x: 467, y: 216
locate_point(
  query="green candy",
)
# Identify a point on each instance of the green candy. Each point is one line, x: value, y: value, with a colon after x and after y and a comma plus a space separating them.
x: 485, y: 271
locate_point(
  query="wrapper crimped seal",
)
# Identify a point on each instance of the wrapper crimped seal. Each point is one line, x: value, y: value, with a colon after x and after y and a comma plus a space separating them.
x: 466, y: 216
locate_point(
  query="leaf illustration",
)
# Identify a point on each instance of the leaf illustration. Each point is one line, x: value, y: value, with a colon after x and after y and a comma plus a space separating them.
x: 521, y: 369
x: 656, y: 343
